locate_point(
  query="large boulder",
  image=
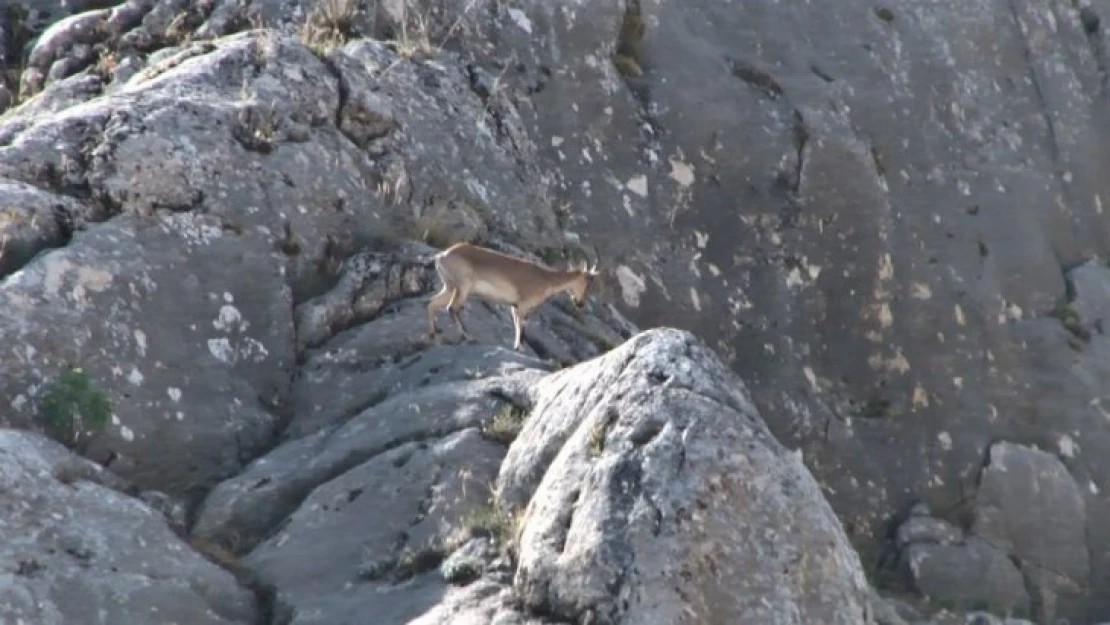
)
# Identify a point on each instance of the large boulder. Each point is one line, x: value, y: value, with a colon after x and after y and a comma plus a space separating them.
x: 185, y: 325
x: 655, y: 493
x: 1031, y: 509
x: 77, y: 549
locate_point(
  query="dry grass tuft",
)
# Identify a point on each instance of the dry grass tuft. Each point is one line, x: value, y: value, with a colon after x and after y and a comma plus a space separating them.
x: 505, y: 425
x: 330, y: 24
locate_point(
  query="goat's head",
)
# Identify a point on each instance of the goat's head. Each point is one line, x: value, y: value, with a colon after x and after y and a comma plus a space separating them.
x: 583, y: 276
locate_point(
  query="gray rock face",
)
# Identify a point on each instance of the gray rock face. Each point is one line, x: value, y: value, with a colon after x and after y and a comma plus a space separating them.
x: 904, y: 273
x: 137, y: 152
x: 882, y: 261
x: 389, y: 518
x: 648, y: 509
x: 968, y: 575
x: 73, y: 548
x: 1030, y: 507
x: 1024, y: 551
x: 172, y: 371
x: 247, y: 507
x: 640, y: 455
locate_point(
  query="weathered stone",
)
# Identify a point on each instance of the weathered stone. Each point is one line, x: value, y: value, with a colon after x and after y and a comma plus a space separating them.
x: 640, y: 462
x: 1090, y: 284
x: 923, y: 529
x: 405, y: 505
x: 32, y: 220
x: 455, y: 149
x: 73, y: 548
x: 483, y: 602
x: 968, y: 575
x: 468, y: 562
x: 186, y: 326
x: 344, y: 379
x: 894, y: 292
x: 1029, y: 507
x: 245, y: 509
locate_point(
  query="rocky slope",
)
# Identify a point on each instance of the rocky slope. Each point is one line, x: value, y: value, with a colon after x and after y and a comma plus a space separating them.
x: 886, y: 219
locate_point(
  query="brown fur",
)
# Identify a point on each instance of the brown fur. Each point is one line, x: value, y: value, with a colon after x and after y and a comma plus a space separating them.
x: 468, y: 270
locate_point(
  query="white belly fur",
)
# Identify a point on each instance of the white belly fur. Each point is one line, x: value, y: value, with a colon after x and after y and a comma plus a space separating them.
x: 493, y: 292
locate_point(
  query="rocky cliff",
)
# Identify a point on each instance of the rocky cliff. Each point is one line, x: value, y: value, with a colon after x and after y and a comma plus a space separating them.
x: 886, y: 219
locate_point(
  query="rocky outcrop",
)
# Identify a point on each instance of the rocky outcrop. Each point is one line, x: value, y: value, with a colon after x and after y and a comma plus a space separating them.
x: 212, y: 221
x: 1024, y: 550
x: 874, y: 213
x: 662, y: 497
x: 642, y: 487
x: 269, y: 238
x: 73, y: 545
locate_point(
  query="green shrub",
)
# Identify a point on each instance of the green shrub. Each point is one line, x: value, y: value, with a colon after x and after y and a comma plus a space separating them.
x: 74, y: 408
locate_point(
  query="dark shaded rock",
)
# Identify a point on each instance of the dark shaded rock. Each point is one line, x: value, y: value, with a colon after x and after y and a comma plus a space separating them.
x: 33, y: 220
x: 72, y: 548
x: 925, y: 529
x: 1030, y: 508
x: 968, y: 575
x: 247, y: 508
x: 406, y: 505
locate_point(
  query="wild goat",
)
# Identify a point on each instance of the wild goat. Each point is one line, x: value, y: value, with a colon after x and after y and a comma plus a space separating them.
x: 495, y: 277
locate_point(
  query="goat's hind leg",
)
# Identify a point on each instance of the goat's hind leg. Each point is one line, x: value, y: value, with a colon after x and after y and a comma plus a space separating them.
x: 436, y: 304
x: 455, y: 307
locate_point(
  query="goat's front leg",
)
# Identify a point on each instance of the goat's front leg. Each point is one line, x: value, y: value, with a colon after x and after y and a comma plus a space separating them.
x: 518, y: 326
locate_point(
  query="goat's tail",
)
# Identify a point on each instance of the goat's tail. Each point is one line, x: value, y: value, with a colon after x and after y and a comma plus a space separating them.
x: 429, y: 259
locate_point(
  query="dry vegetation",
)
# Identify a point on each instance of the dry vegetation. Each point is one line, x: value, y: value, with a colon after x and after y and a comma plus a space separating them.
x: 330, y: 24
x: 488, y: 521
x: 505, y: 425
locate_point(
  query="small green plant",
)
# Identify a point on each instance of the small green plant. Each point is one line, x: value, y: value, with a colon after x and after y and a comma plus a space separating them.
x: 505, y: 425
x: 875, y: 408
x: 74, y: 407
x: 1070, y: 319
x: 629, y: 40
